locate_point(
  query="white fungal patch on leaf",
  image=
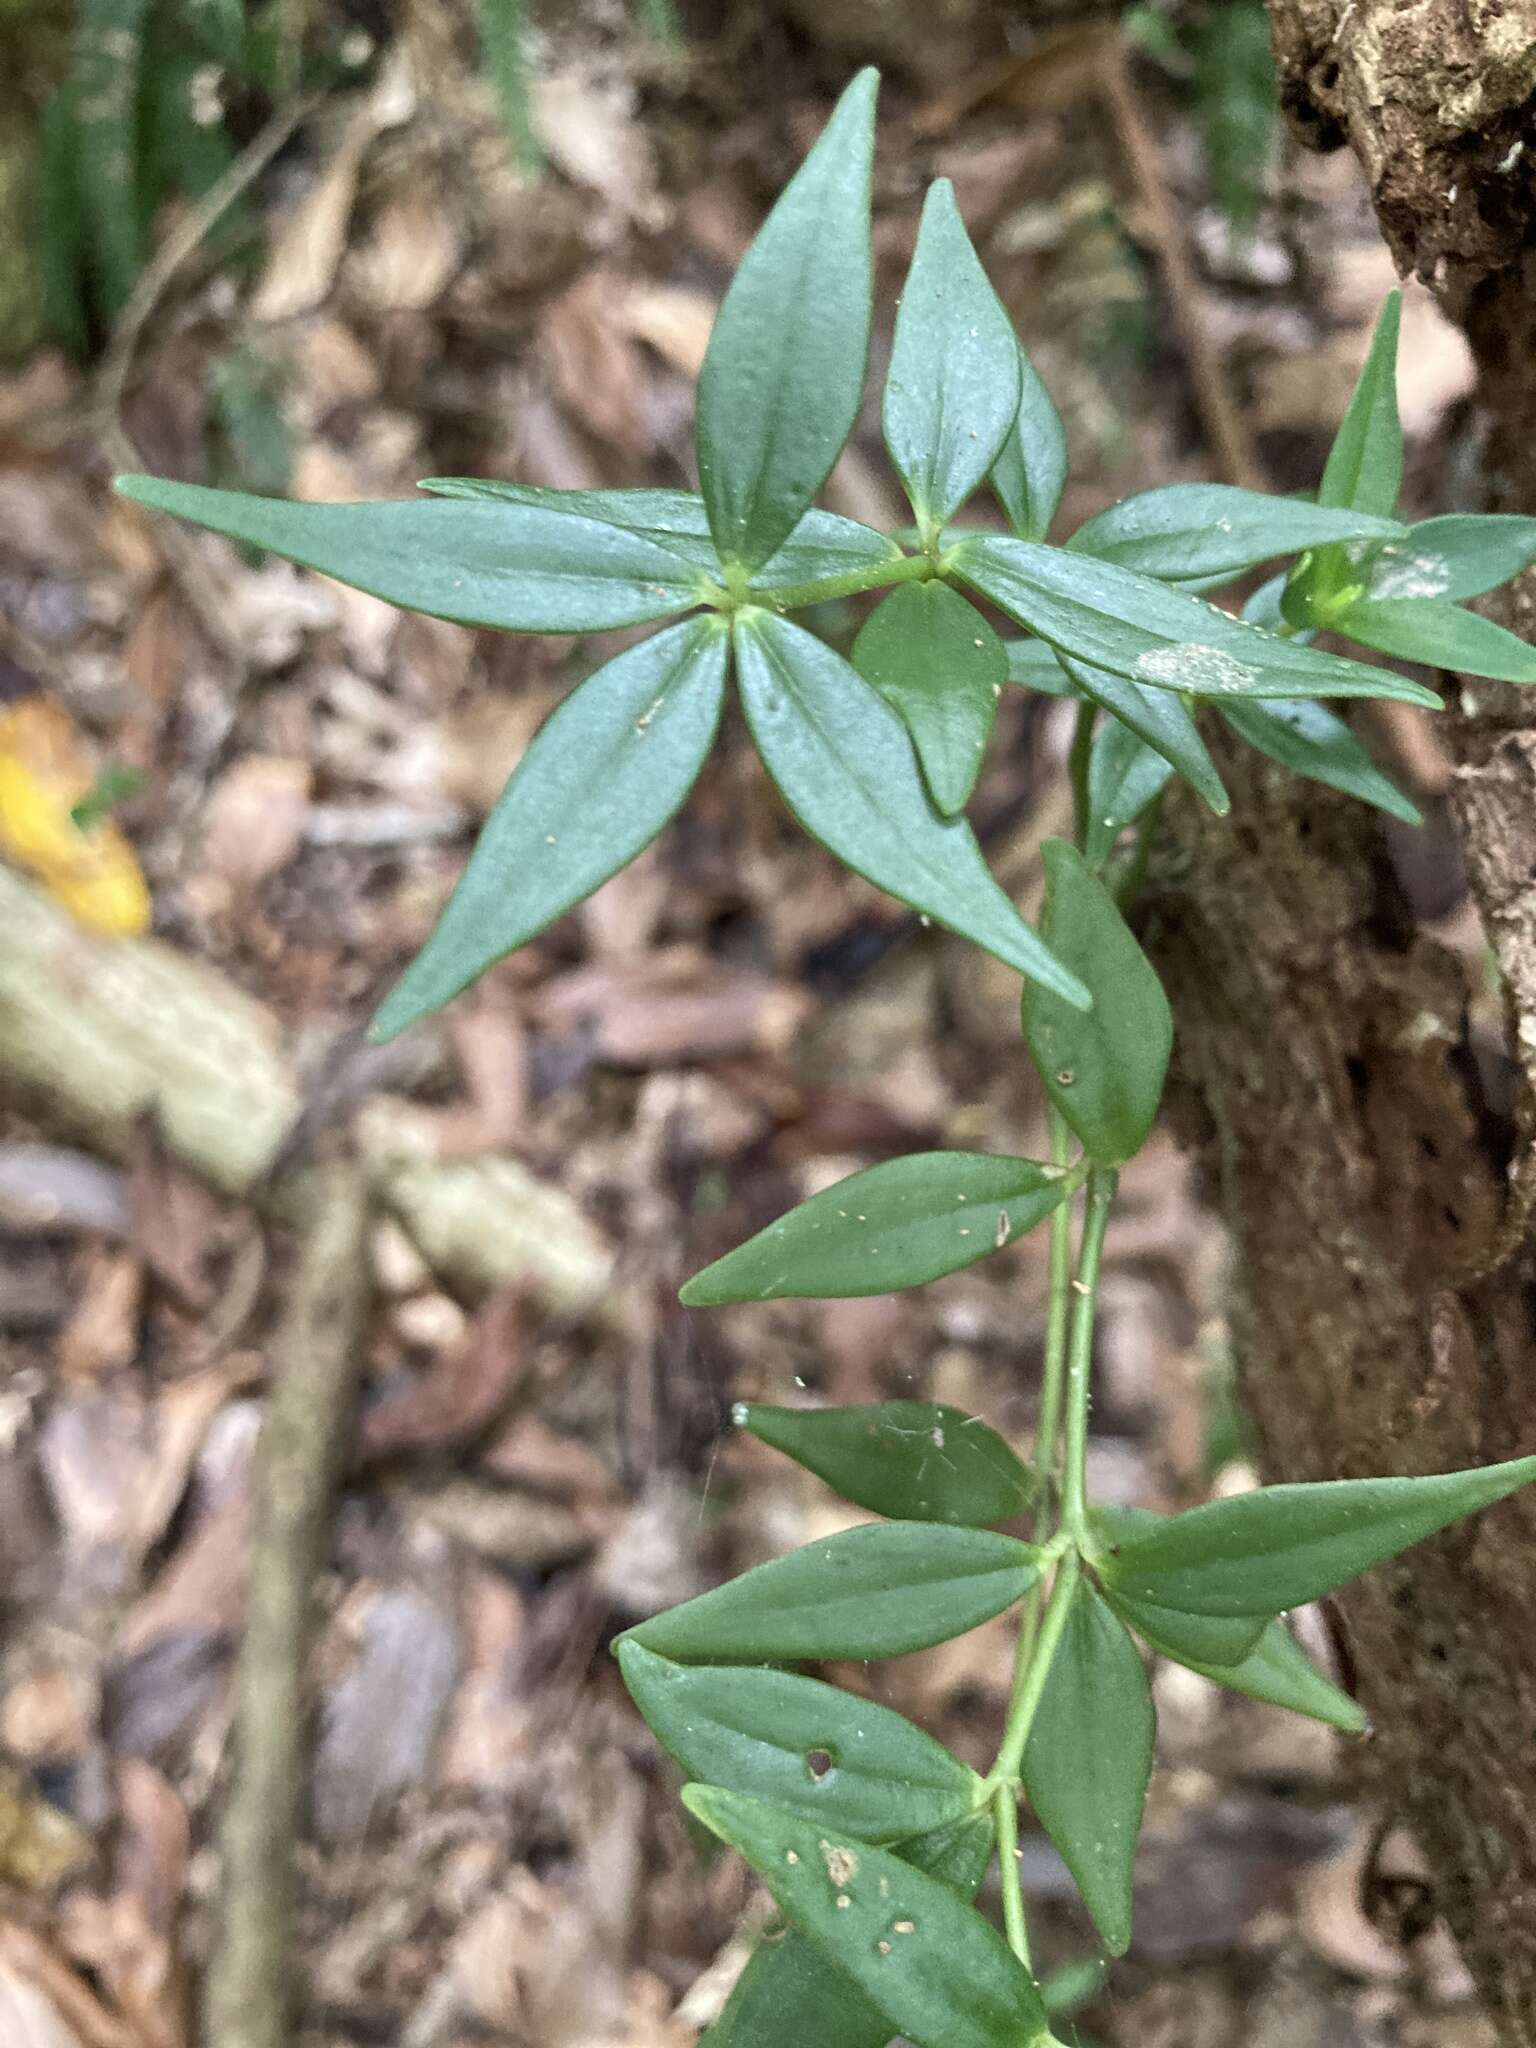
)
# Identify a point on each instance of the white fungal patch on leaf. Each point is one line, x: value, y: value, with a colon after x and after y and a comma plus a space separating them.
x: 842, y: 1865
x: 1191, y: 665
x: 1400, y: 575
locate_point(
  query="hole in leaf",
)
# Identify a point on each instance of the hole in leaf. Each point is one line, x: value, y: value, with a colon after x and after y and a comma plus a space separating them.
x: 818, y: 1762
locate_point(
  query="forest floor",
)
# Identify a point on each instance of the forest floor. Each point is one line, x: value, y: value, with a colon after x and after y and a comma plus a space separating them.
x: 543, y: 1455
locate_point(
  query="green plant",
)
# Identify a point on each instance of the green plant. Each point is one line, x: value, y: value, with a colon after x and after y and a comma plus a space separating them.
x: 143, y: 118
x: 872, y: 1838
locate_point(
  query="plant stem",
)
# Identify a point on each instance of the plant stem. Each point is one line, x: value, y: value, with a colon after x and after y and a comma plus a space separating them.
x: 792, y: 597
x: 1057, y: 1314
x: 1074, y: 1502
x: 1031, y: 1672
x: 1082, y: 748
x: 1005, y: 1813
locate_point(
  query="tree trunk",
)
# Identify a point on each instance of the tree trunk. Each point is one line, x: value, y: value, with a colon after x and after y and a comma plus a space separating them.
x: 1373, y: 1164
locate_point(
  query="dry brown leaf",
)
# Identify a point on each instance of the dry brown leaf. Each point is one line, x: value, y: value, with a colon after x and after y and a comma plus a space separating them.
x: 39, y: 1844
x: 591, y: 129
x: 672, y: 320
x: 410, y: 255
x: 253, y: 825
x: 177, y: 1226
x: 305, y: 252
x: 28, y: 2017
x: 594, y: 368
x: 463, y: 1392
x: 672, y: 1005
x: 102, y: 1334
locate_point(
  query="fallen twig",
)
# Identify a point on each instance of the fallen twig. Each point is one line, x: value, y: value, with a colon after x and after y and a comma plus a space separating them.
x: 249, y: 1999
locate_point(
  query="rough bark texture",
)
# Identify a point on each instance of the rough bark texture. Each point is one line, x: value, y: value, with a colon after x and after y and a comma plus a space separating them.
x: 1369, y: 1160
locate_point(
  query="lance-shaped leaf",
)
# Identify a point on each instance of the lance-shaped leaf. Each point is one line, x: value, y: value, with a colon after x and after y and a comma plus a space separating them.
x: 1278, y: 1671
x: 952, y: 390
x: 1364, y: 470
x: 1103, y: 1071
x: 522, y: 568
x: 941, y: 668
x: 1199, y: 1640
x: 1364, y: 473
x: 1030, y: 472
x: 822, y: 543
x: 780, y: 387
x: 1190, y: 532
x: 1283, y: 1546
x: 1458, y: 556
x: 1035, y: 665
x: 804, y: 1746
x: 1188, y: 1638
x: 942, y: 1976
x: 917, y: 1461
x: 1311, y: 740
x: 1089, y: 1757
x: 844, y: 764
x: 1162, y: 719
x: 875, y: 1591
x: 899, y: 1224
x: 791, y: 1991
x: 1109, y: 617
x: 1125, y: 775
x: 603, y: 774
x: 1439, y: 635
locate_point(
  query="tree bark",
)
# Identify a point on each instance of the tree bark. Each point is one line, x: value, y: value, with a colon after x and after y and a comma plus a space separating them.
x: 1373, y: 1163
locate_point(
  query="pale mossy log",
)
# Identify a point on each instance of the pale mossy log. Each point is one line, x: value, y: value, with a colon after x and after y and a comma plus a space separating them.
x: 96, y: 1032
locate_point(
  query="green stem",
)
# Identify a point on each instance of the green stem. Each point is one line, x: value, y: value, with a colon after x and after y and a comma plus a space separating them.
x: 1074, y: 1500
x: 1082, y: 748
x: 794, y: 596
x: 1005, y: 1813
x: 1031, y: 1672
x: 1057, y: 1314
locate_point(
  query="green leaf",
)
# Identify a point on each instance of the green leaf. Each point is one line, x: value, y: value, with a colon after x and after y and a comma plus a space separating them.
x: 1459, y: 556
x: 791, y: 1992
x: 875, y: 1591
x: 603, y: 774
x: 784, y: 373
x: 1279, y: 1671
x: 1125, y: 775
x: 1189, y: 531
x: 1365, y: 464
x: 58, y: 238
x: 940, y: 1974
x: 1162, y: 719
x: 504, y: 42
x: 1203, y: 1641
x: 105, y: 83
x: 1104, y: 1072
x: 1310, y: 740
x: 803, y: 1746
x: 941, y: 668
x: 1236, y: 104
x: 1281, y: 1546
x: 1035, y: 665
x: 675, y: 520
x: 899, y: 1224
x: 952, y: 390
x: 518, y: 567
x: 917, y: 1461
x: 844, y: 764
x: 1439, y: 635
x: 1089, y: 1757
x: 1030, y: 472
x: 822, y: 544
x: 1109, y: 617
